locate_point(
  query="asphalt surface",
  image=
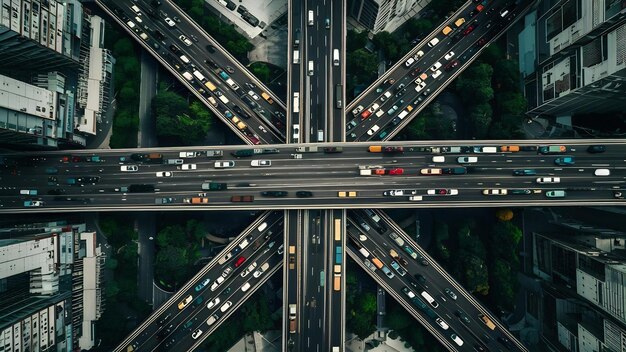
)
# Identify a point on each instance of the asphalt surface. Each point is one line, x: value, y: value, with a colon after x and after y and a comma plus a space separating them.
x: 323, y: 174
x: 371, y: 232
x: 399, y: 81
x: 259, y: 125
x: 173, y: 326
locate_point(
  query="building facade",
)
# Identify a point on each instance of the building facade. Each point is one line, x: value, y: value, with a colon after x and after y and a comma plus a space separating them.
x: 384, y: 15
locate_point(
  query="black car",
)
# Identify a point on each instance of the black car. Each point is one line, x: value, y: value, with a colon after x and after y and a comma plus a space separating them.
x: 594, y: 149
x: 88, y: 179
x: 159, y: 35
x: 211, y: 63
x: 274, y: 194
x: 246, y: 99
x: 462, y: 316
x: 210, y: 48
x: 241, y: 112
x: 454, y: 170
x: 56, y: 191
x: 174, y: 49
x: 421, y: 280
x: 304, y: 194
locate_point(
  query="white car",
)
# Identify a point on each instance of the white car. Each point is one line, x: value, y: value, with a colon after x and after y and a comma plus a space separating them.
x: 442, y: 323
x: 418, y: 55
x: 217, y: 283
x: 602, y: 172
x: 130, y: 24
x: 443, y: 192
x: 212, y: 101
x: 373, y: 130
x: 449, y: 55
x: 253, y: 95
x: 436, y: 74
x: 170, y: 22
x: 212, y: 319
x: 185, y: 40
x: 260, y: 163
x: 224, y: 164
x: 129, y: 168
x: 187, y: 154
x: 262, y: 269
x: 495, y: 192
x: 409, y: 62
x: 357, y: 110
x: 196, y: 334
x: 439, y: 159
x: 164, y: 174
x: 245, y: 287
x: 138, y: 19
x: 296, y: 131
x: 456, y: 339
x: 420, y: 86
x: 467, y: 159
x: 213, y: 303
x: 188, y: 166
x: 548, y: 180
x: 436, y: 66
x: 248, y: 269
x: 262, y: 227
x: 225, y: 306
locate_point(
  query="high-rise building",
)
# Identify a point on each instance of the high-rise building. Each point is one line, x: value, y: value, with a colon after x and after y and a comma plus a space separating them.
x: 580, y: 267
x: 59, y: 47
x: 384, y: 15
x: 573, y: 57
x: 50, y: 287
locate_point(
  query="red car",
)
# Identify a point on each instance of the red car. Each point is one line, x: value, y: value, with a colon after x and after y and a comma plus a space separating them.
x: 240, y: 261
x: 65, y: 159
x: 415, y: 72
x: 469, y: 29
x: 365, y: 114
x: 254, y: 139
x: 77, y: 159
x: 452, y: 65
x: 398, y: 171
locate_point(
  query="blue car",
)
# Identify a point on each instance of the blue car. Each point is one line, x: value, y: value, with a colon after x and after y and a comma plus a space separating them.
x: 564, y: 161
x: 524, y: 172
x: 203, y: 284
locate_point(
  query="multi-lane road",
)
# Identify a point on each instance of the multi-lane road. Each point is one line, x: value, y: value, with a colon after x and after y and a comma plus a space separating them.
x: 416, y: 276
x: 223, y: 84
x: 218, y: 289
x: 402, y: 92
x: 59, y: 185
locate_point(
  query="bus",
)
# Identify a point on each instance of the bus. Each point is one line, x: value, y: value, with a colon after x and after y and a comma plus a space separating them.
x: 322, y: 278
x: 338, y: 96
x: 337, y: 229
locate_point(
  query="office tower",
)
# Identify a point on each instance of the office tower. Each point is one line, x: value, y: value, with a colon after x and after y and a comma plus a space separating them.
x: 580, y: 267
x: 50, y: 286
x: 384, y: 15
x: 573, y: 57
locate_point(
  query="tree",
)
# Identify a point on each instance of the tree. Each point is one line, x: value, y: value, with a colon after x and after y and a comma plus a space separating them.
x: 506, y: 76
x: 387, y: 43
x: 188, y: 124
x: 171, y: 265
x: 261, y: 71
x: 355, y: 40
x: 504, y: 283
x: 479, y: 120
x: 364, y: 63
x: 504, y: 214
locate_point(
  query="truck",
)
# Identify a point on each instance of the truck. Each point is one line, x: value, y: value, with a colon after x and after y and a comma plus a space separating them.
x: 33, y: 203
x: 165, y: 200
x: 224, y: 76
x: 256, y: 151
x: 445, y: 150
x: 380, y: 149
x: 214, y: 153
x: 214, y: 186
x: 292, y: 318
x: 236, y: 199
x: 307, y: 149
x: 292, y: 257
x: 330, y: 150
x: 551, y: 149
x: 29, y: 192
x: 174, y: 161
x: 336, y: 282
x: 196, y: 200
x: 338, y: 256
